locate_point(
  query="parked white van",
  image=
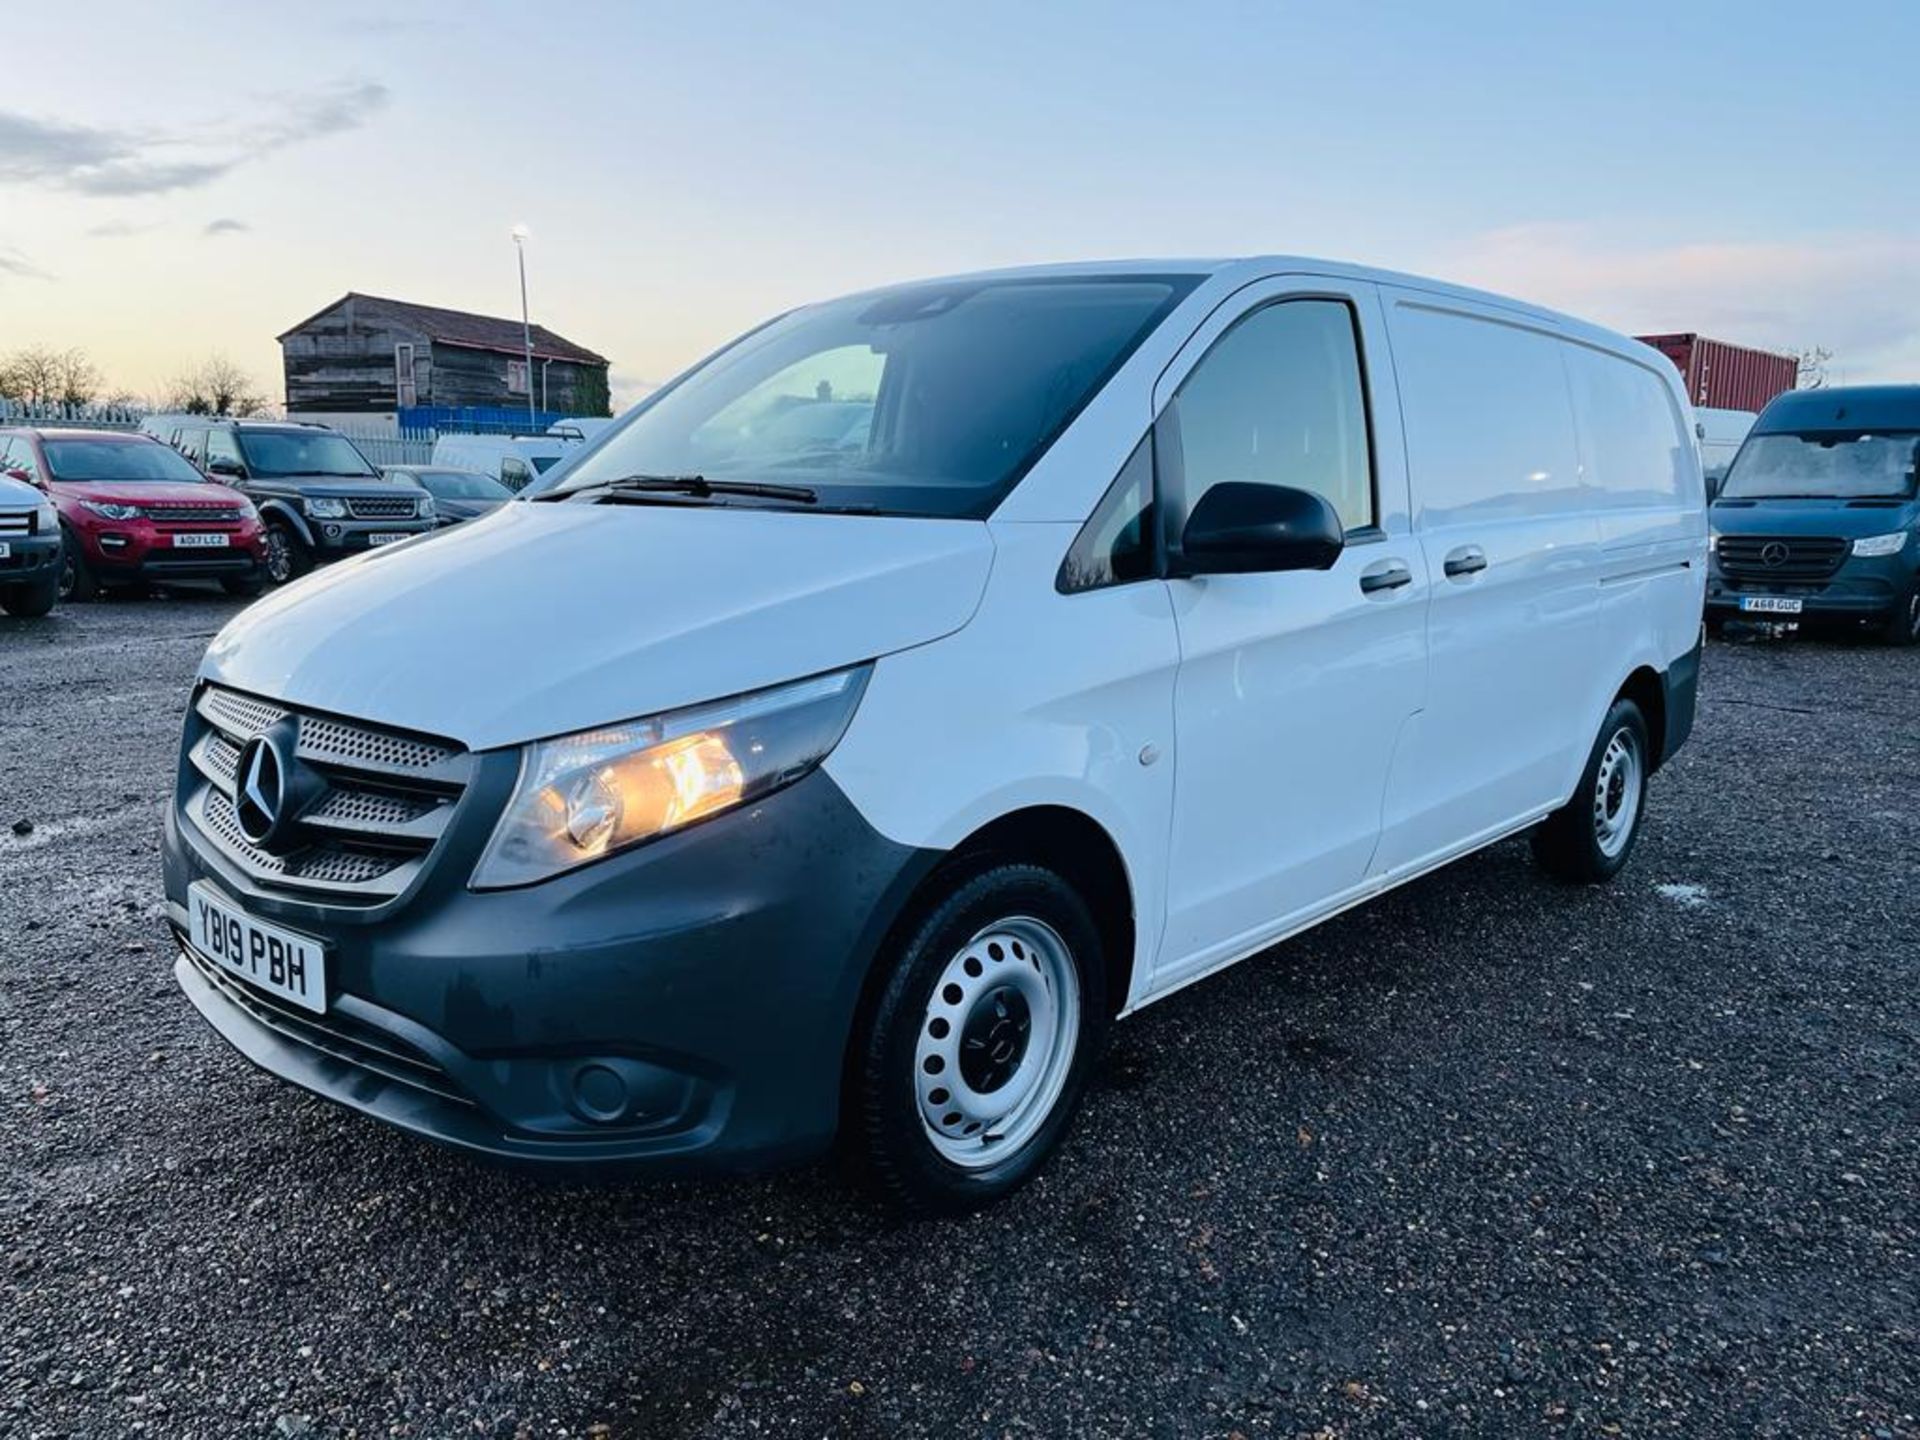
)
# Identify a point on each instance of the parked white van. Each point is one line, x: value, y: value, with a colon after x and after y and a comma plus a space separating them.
x: 923, y: 682
x: 516, y: 461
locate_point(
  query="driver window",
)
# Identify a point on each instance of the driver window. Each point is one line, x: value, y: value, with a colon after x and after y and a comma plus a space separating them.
x: 1278, y: 400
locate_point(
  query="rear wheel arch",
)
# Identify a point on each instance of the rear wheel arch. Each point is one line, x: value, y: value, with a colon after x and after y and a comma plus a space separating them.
x: 1648, y: 691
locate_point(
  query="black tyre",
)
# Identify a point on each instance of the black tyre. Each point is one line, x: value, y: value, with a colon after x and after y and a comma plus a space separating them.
x: 248, y: 588
x: 1587, y: 840
x: 968, y: 1064
x: 1902, y: 627
x: 287, y: 555
x: 76, y: 580
x: 30, y: 602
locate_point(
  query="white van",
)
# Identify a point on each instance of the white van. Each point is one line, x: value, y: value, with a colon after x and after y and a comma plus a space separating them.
x: 516, y: 461
x: 923, y: 682
x: 1720, y: 433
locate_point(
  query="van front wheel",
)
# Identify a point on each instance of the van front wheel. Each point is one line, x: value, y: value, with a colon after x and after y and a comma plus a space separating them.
x: 971, y: 1060
x: 1588, y: 839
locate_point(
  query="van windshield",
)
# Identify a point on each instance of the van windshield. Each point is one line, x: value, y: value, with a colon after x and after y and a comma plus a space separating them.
x: 927, y: 400
x: 1825, y: 465
x: 301, y: 452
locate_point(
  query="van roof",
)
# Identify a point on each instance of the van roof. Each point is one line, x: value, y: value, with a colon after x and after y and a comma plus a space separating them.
x: 1229, y: 273
x: 1845, y: 407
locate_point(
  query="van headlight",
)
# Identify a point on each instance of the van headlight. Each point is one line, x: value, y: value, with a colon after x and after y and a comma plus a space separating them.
x: 585, y: 796
x: 1870, y: 545
x: 325, y: 507
x: 47, y: 519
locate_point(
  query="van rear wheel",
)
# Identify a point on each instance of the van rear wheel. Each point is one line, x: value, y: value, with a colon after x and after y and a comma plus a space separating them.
x: 970, y: 1062
x: 1587, y: 840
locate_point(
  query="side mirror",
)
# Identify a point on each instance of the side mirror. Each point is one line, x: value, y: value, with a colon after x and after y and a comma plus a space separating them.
x: 226, y: 465
x: 1240, y: 528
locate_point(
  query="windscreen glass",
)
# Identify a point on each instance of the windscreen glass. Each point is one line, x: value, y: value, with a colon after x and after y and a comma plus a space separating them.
x: 301, y: 452
x: 928, y: 400
x: 462, y: 485
x: 119, y: 460
x: 1826, y: 464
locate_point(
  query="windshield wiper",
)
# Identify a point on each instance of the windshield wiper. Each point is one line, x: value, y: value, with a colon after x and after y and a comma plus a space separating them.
x: 696, y: 486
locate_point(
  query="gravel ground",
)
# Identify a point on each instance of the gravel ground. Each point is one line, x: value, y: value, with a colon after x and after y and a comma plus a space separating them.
x: 1486, y: 1157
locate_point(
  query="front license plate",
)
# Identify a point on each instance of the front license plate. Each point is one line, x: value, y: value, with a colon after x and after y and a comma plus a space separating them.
x: 200, y: 542
x: 386, y: 537
x: 282, y: 961
x: 1770, y: 604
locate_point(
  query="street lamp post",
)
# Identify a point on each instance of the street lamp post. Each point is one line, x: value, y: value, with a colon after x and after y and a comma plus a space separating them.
x: 519, y: 233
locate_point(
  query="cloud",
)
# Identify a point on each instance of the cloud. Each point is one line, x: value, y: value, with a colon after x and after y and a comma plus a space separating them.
x: 103, y: 162
x: 14, y: 263
x: 226, y: 226
x: 116, y: 229
x: 1857, y: 293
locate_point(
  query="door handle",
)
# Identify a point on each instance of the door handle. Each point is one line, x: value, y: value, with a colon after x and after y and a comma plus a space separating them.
x: 1385, y: 575
x: 1467, y: 560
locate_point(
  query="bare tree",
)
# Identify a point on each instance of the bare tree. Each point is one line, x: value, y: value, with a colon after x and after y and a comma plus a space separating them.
x: 216, y: 387
x: 41, y: 375
x: 1812, y: 373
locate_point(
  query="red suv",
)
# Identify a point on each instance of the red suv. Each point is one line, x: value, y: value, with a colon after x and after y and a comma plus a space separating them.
x: 134, y: 511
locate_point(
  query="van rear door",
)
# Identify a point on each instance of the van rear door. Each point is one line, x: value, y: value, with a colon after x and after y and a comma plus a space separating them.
x: 1293, y: 688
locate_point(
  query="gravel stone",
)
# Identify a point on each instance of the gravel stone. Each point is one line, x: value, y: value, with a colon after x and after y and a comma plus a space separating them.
x: 1490, y: 1156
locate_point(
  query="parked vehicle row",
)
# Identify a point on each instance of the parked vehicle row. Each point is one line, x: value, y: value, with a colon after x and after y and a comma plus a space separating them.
x: 919, y: 685
x: 318, y: 496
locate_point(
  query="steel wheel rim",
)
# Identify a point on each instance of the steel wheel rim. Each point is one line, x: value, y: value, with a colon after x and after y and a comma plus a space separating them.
x: 1616, y: 793
x: 996, y: 1042
x: 279, y: 558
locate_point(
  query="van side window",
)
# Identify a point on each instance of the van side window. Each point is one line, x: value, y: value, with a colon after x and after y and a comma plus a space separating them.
x: 193, y: 445
x: 1489, y: 418
x: 1115, y: 547
x: 514, y: 473
x: 1633, y: 444
x: 1279, y: 400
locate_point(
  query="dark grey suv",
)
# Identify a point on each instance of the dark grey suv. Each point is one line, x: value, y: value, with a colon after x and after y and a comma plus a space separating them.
x: 318, y: 496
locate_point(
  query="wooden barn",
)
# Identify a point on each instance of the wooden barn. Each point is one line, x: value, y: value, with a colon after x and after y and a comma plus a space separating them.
x: 364, y: 356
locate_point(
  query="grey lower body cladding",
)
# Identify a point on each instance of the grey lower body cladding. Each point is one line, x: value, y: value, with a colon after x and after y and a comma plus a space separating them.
x: 683, y: 1007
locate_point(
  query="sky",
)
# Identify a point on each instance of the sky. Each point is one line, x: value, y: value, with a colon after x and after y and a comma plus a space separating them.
x: 195, y: 178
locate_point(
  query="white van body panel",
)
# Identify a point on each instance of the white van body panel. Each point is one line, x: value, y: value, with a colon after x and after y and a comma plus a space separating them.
x: 1324, y: 747
x: 489, y: 454
x: 548, y: 619
x: 1067, y: 704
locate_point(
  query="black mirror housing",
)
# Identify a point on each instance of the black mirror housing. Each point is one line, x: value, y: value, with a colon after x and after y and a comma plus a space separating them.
x: 1240, y: 528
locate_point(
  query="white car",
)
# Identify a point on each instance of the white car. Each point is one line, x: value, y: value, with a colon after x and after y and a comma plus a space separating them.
x: 773, y: 781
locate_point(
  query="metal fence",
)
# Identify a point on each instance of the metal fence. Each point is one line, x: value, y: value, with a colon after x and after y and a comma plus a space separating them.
x: 409, y: 447
x: 96, y: 417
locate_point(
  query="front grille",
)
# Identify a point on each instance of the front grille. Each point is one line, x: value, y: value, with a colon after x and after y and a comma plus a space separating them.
x: 381, y: 507
x: 1783, y: 559
x: 385, y: 800
x: 16, y: 522
x: 192, y: 514
x: 334, y: 1034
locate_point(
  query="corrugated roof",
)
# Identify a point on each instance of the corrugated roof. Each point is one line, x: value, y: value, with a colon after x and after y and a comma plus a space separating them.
x: 457, y: 327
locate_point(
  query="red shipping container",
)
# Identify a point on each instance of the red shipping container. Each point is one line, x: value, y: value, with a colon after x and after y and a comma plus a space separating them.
x: 1720, y: 376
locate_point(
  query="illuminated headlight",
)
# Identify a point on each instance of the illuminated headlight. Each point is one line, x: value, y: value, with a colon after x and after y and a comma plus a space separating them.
x: 322, y: 507
x: 1880, y: 544
x: 46, y: 520
x: 106, y: 510
x: 426, y: 507
x: 595, y: 793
